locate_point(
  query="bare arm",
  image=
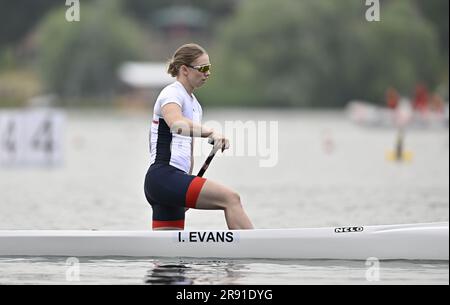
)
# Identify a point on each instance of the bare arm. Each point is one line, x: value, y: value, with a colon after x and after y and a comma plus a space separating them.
x: 181, y: 125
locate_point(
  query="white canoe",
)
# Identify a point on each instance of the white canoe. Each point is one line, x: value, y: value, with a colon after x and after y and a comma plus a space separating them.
x: 428, y: 241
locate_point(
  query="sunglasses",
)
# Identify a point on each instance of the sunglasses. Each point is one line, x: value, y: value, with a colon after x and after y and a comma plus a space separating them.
x: 201, y: 69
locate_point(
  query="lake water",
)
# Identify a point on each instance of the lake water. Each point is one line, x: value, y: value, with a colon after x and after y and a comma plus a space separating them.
x: 305, y: 169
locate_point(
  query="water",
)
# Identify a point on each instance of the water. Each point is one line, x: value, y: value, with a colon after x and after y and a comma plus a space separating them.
x: 328, y: 173
x: 217, y: 272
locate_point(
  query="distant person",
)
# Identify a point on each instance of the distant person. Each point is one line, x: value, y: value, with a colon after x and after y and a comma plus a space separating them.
x: 420, y: 101
x: 392, y: 98
x: 404, y: 113
x: 437, y: 104
x: 170, y: 187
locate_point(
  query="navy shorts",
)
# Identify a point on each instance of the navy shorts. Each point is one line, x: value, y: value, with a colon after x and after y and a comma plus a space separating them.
x: 169, y: 191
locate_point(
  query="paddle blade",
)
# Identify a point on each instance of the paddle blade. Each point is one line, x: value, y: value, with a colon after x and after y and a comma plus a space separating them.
x: 404, y: 156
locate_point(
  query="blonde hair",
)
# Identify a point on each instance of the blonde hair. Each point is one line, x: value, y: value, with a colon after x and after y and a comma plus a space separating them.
x: 184, y: 55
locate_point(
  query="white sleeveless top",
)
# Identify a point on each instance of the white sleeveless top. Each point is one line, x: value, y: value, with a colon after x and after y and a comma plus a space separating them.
x: 165, y: 146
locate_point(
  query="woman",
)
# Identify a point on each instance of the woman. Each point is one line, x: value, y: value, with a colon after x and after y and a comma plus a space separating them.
x: 169, y: 186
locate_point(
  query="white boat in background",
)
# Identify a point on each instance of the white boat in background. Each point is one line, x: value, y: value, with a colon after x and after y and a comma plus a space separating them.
x: 366, y: 114
x: 428, y: 241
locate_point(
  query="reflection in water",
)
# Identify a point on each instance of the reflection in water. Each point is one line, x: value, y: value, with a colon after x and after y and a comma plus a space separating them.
x: 168, y: 274
x: 195, y: 272
x: 288, y: 272
x: 101, y: 270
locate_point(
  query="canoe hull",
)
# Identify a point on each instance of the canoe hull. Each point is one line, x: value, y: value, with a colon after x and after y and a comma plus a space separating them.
x: 411, y: 242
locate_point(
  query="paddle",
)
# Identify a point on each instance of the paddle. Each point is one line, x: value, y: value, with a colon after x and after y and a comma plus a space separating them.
x: 209, y: 159
x: 402, y: 118
x: 399, y: 154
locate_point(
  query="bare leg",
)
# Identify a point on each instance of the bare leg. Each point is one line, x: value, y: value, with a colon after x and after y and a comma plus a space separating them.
x: 214, y: 196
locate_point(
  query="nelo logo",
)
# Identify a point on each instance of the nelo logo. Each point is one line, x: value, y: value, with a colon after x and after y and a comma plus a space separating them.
x: 348, y: 229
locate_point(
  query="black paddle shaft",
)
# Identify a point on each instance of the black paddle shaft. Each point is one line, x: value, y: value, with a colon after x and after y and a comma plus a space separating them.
x: 208, y: 161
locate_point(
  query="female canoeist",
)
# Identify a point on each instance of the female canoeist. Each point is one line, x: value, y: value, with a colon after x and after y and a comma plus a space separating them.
x: 170, y: 187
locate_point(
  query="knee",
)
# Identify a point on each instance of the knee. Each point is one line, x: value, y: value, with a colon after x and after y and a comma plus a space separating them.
x: 233, y: 199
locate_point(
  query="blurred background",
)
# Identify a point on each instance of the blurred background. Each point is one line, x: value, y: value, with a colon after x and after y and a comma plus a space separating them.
x: 345, y: 91
x: 285, y: 53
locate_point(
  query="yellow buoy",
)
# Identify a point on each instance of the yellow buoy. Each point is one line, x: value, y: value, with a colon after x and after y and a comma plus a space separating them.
x: 399, y: 157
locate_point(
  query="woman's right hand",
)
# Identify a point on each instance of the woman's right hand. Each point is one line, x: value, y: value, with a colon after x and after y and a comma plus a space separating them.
x: 219, y: 141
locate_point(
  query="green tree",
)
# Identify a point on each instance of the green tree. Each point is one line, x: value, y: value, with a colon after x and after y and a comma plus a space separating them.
x: 19, y: 16
x: 144, y: 9
x: 436, y: 12
x: 80, y: 59
x: 319, y: 53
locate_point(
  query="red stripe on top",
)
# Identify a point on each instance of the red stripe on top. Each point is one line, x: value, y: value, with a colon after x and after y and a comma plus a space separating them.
x: 168, y: 224
x: 156, y: 122
x: 194, y: 191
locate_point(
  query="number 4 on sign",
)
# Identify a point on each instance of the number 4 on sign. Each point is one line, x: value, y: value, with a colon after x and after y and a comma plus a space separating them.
x: 11, y: 129
x: 8, y: 143
x: 44, y: 137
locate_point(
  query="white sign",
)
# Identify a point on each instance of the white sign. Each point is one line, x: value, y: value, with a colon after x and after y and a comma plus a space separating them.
x: 31, y: 137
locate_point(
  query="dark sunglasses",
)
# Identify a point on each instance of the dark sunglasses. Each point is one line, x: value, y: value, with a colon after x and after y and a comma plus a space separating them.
x: 201, y: 69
